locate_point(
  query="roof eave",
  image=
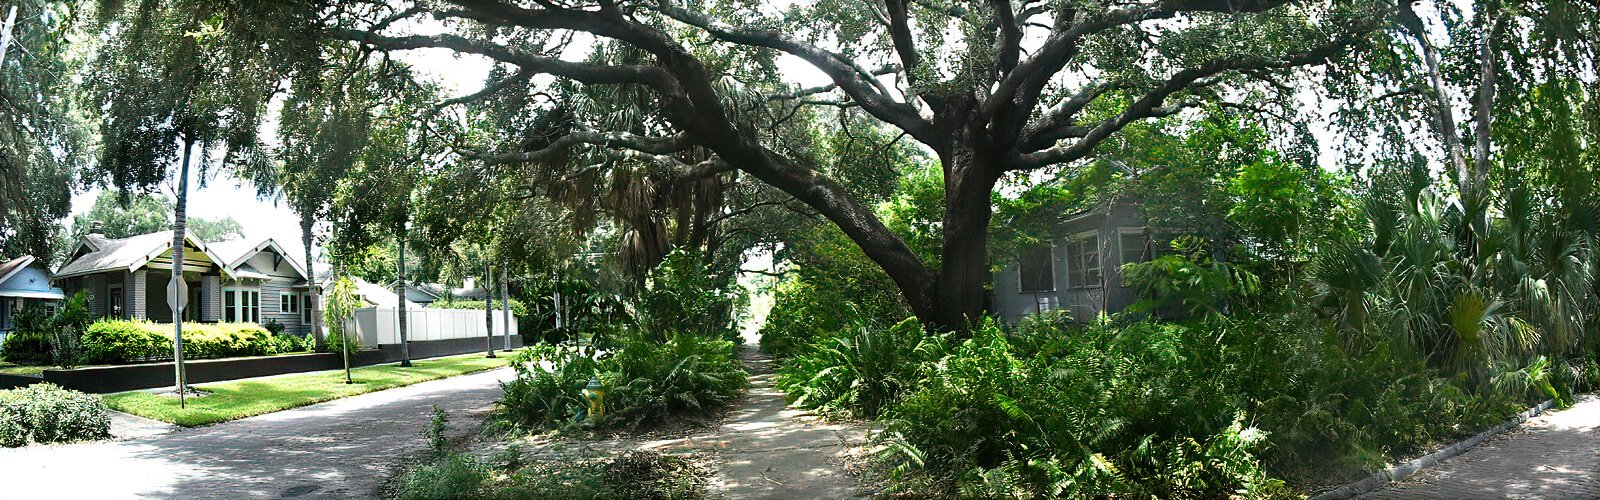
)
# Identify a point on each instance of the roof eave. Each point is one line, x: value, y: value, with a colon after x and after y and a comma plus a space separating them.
x: 27, y: 260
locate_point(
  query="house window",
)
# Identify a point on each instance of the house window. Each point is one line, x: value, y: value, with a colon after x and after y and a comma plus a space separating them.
x: 1136, y: 248
x: 288, y: 304
x: 1038, y: 270
x: 114, y: 301
x: 241, y: 305
x: 305, y: 309
x: 1083, y: 262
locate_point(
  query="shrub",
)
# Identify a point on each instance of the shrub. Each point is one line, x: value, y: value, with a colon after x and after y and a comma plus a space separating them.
x: 123, y: 341
x: 645, y: 382
x: 546, y: 391
x: 46, y: 413
x: 689, y: 374
x: 1137, y: 411
x: 334, y: 342
x: 282, y: 344
x: 29, y: 341
x: 683, y: 294
x: 859, y: 371
x: 518, y: 309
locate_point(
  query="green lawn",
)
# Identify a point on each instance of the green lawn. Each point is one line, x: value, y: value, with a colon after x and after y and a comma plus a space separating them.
x: 10, y: 368
x: 245, y: 398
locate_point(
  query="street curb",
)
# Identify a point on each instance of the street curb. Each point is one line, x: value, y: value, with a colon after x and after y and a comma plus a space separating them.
x: 1405, y: 470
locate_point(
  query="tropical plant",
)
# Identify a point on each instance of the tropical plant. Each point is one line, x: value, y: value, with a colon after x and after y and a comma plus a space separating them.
x: 859, y: 371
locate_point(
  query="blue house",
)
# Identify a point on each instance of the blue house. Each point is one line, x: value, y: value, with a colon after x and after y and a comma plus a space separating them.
x: 24, y: 282
x: 1079, y: 269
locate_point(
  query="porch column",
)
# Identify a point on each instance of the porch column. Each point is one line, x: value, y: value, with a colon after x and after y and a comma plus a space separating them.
x: 210, y: 298
x: 136, y: 291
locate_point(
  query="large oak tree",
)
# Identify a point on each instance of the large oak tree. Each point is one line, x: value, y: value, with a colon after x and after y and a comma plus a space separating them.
x: 992, y: 88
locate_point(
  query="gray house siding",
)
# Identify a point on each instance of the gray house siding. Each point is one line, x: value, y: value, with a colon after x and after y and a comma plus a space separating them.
x: 272, y: 292
x: 1082, y: 301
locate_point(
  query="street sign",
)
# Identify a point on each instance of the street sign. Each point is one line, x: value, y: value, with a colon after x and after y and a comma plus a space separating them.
x: 178, y: 296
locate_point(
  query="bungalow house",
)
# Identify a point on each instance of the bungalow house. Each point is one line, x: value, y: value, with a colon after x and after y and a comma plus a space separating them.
x: 24, y: 282
x: 1080, y: 268
x: 234, y: 281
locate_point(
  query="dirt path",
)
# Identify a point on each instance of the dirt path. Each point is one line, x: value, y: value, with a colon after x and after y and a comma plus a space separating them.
x: 768, y: 450
x: 339, y: 449
x: 1554, y: 456
x: 764, y: 449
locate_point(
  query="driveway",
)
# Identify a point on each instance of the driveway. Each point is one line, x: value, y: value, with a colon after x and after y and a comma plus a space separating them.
x: 339, y: 449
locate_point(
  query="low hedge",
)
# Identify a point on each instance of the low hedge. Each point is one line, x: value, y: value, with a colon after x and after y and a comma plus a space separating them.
x: 125, y: 341
x: 46, y: 413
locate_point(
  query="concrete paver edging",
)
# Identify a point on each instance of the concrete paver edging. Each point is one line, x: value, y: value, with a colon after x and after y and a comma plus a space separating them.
x: 1402, y: 471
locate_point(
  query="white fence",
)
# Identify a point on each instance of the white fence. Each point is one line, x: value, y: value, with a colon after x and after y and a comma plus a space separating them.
x: 380, y: 325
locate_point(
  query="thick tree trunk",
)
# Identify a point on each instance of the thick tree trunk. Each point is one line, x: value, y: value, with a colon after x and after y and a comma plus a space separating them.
x: 958, y: 296
x: 314, y: 305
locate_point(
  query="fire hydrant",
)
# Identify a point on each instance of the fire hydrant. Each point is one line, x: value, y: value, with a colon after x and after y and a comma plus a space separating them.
x: 595, y: 393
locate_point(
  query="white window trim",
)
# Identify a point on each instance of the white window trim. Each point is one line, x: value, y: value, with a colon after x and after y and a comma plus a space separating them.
x: 1092, y: 234
x: 288, y: 303
x: 1052, y: 246
x: 238, y: 304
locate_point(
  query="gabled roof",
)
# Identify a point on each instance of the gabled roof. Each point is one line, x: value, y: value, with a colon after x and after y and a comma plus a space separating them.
x: 234, y: 253
x: 33, y: 288
x: 127, y: 253
x: 12, y: 267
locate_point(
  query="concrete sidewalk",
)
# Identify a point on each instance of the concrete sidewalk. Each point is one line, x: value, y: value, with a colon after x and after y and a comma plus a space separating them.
x: 1554, y: 456
x: 338, y: 449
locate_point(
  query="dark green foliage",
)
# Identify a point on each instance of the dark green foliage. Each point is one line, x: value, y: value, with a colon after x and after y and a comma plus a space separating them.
x: 645, y: 382
x: 1189, y: 281
x: 46, y: 413
x: 547, y: 390
x: 642, y: 475
x: 335, y: 342
x: 685, y: 295
x: 688, y: 375
x: 283, y: 344
x: 859, y: 371
x: 1076, y: 418
x: 123, y: 341
x: 29, y: 342
x: 1169, y: 410
x: 39, y: 338
x: 833, y: 287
